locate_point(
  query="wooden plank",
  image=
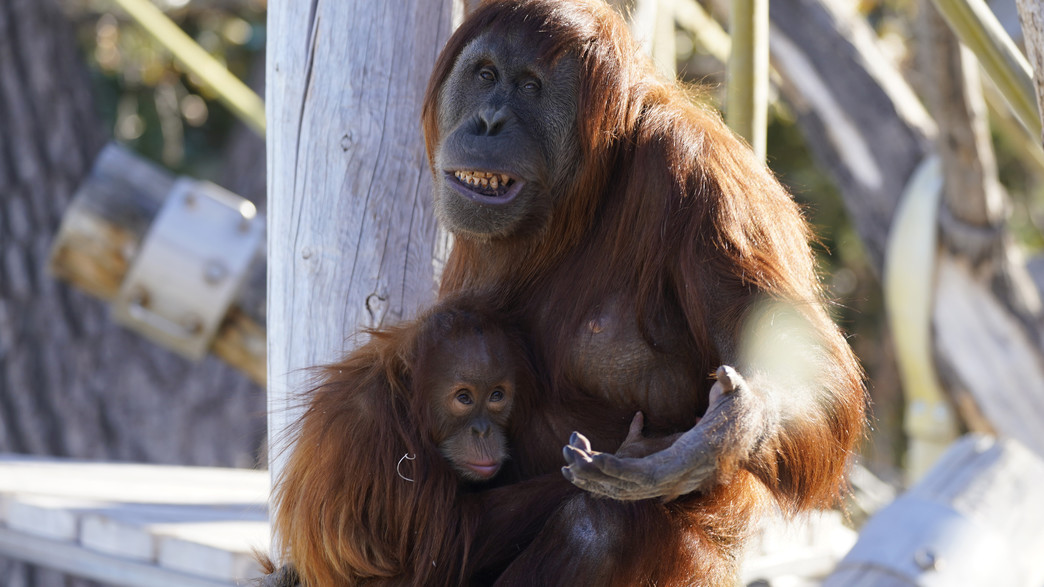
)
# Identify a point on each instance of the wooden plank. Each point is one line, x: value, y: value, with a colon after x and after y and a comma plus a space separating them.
x: 72, y: 559
x: 1031, y: 18
x: 133, y: 483
x: 47, y: 517
x: 110, y: 534
x: 143, y: 532
x: 224, y: 549
x: 199, y: 521
x: 975, y: 519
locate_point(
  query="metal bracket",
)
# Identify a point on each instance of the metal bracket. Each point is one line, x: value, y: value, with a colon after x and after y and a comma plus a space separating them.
x: 190, y: 267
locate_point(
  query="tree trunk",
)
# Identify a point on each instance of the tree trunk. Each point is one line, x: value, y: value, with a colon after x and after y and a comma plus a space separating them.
x: 352, y: 236
x: 863, y: 123
x: 72, y: 383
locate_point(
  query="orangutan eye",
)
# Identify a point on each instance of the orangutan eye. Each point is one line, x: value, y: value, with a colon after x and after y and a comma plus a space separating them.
x: 531, y: 86
x: 464, y: 398
x: 487, y: 74
x: 497, y: 395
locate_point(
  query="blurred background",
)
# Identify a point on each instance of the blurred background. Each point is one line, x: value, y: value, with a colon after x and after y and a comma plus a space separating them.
x: 77, y: 74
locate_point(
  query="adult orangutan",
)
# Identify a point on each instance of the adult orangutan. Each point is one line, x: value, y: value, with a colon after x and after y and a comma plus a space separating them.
x: 639, y: 240
x: 655, y: 265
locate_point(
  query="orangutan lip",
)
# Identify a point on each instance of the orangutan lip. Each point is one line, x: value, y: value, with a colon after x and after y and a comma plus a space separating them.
x: 483, y: 469
x: 485, y: 187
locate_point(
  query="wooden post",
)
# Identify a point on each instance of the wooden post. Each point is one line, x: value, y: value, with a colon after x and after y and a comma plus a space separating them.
x: 1031, y: 16
x: 978, y: 28
x: 350, y: 226
x: 746, y: 108
x: 652, y: 24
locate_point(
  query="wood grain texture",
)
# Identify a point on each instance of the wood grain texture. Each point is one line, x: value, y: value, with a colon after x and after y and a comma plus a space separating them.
x: 134, y: 524
x: 1031, y: 17
x: 351, y: 231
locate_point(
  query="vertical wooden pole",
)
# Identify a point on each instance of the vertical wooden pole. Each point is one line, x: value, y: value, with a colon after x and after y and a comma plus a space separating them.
x: 1031, y: 17
x: 351, y: 234
x: 978, y: 28
x: 746, y: 109
x: 664, y: 49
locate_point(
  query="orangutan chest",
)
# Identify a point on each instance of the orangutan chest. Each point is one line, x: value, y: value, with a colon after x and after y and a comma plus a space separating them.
x: 611, y: 358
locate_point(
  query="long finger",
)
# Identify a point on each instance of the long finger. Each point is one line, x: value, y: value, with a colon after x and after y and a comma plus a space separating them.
x: 574, y: 455
x: 580, y: 441
x: 634, y: 433
x: 601, y: 485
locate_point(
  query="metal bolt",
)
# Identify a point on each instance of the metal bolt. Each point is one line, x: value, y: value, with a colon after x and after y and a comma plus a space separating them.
x: 215, y: 272
x: 192, y: 324
x: 127, y: 250
x: 927, y: 560
x: 139, y: 296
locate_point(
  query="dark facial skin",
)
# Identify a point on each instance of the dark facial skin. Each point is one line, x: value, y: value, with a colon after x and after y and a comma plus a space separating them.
x: 508, y: 127
x: 473, y: 391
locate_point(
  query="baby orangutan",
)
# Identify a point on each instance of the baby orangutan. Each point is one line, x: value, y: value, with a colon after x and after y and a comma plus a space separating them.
x: 379, y: 485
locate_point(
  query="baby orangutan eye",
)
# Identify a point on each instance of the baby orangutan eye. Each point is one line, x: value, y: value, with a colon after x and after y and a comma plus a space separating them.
x: 464, y: 398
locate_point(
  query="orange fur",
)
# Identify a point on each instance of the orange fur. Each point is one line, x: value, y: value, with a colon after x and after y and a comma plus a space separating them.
x: 347, y: 510
x: 667, y: 209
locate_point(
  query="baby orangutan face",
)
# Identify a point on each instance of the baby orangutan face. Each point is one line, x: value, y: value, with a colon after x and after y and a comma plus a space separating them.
x: 471, y: 383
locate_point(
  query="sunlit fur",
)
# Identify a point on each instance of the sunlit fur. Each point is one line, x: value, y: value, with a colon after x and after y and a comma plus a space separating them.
x: 670, y: 208
x: 347, y: 511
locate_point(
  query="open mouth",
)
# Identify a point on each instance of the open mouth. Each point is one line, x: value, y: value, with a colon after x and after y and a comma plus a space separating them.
x: 486, y: 186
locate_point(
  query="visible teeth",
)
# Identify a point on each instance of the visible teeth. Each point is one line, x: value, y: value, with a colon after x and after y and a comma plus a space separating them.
x: 486, y: 179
